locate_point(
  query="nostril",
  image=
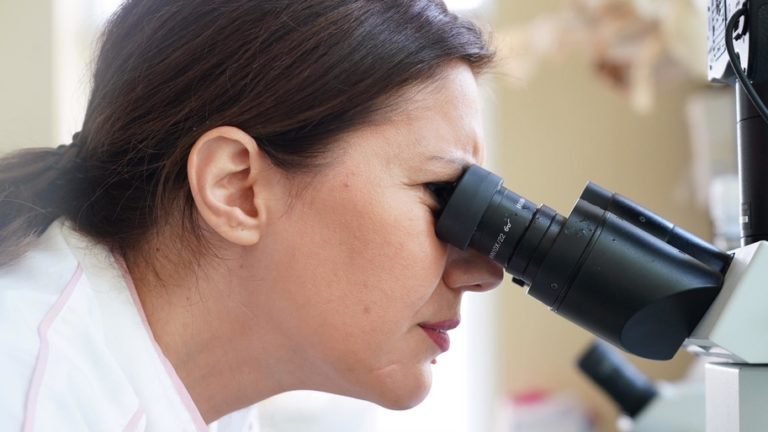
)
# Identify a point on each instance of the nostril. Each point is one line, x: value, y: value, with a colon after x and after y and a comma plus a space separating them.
x: 483, y: 285
x: 470, y: 271
x: 495, y: 281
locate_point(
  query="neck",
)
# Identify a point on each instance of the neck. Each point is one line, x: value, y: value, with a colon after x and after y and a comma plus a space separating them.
x: 226, y: 357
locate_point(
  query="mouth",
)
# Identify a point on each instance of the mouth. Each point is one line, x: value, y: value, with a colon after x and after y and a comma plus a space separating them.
x: 438, y: 332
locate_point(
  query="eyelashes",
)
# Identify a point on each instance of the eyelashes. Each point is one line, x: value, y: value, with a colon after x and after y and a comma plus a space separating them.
x: 441, y: 192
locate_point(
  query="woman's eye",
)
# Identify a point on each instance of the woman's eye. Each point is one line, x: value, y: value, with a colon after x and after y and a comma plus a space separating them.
x: 440, y: 192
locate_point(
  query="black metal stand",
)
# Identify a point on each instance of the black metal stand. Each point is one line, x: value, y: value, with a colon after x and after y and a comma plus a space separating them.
x: 752, y: 142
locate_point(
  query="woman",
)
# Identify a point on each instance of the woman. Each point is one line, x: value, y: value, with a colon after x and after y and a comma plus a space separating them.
x: 245, y: 212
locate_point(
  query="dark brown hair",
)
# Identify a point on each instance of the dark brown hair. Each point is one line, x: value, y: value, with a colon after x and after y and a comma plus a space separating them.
x: 293, y: 74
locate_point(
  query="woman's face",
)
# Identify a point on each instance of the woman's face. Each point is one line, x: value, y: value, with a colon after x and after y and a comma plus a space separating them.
x: 363, y: 289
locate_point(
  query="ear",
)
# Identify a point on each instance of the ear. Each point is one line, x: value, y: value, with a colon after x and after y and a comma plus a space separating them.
x: 228, y: 175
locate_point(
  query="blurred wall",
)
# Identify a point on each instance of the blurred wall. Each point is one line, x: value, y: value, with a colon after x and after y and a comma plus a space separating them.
x: 26, y: 81
x: 562, y: 130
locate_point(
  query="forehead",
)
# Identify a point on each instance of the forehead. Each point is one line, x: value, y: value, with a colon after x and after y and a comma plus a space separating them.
x: 443, y: 118
x: 435, y: 124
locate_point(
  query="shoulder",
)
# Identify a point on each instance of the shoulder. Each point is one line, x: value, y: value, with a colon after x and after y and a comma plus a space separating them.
x: 55, y: 369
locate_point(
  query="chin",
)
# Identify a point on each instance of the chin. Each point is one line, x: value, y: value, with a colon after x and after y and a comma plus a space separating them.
x: 404, y: 403
x: 404, y: 393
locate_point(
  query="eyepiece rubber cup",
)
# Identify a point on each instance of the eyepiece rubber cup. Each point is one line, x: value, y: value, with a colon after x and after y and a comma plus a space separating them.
x: 465, y: 209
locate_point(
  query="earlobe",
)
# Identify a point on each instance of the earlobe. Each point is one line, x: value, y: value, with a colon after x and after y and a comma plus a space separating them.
x: 226, y: 172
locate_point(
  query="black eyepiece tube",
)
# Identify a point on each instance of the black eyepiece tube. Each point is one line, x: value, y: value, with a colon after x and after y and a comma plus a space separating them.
x: 615, y: 375
x: 466, y: 206
x: 621, y: 276
x: 657, y: 226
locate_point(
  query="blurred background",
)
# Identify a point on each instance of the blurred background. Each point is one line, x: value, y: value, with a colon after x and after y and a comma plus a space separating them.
x: 612, y: 91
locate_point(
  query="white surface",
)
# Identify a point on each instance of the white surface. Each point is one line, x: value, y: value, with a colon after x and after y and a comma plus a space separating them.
x: 737, y: 398
x: 76, y: 354
x: 553, y: 413
x: 736, y: 324
x: 463, y: 4
x: 677, y: 408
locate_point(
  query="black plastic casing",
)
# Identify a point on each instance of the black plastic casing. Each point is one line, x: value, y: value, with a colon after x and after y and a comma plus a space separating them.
x: 636, y: 281
x: 628, y: 387
x: 623, y: 284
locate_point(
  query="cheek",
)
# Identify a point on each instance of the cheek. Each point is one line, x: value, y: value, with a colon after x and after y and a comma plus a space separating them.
x: 386, y: 265
x: 360, y: 270
x: 392, y: 251
x: 369, y: 266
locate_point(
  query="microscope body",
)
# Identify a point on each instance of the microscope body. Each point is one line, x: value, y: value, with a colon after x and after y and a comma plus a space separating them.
x: 732, y: 332
x: 734, y: 326
x: 732, y: 336
x: 734, y: 396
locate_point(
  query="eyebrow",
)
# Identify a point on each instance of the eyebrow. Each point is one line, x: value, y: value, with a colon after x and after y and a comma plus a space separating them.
x: 457, y: 162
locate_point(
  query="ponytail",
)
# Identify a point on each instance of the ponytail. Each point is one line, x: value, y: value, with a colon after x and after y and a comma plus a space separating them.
x: 36, y: 187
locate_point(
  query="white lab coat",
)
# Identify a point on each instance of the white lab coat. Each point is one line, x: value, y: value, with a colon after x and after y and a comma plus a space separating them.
x: 76, y: 352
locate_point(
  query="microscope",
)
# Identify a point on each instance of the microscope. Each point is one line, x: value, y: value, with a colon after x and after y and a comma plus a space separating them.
x: 634, y: 279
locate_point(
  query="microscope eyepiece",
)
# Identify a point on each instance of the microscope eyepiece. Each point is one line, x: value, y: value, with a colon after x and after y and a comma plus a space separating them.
x: 483, y: 215
x: 468, y: 201
x: 615, y: 375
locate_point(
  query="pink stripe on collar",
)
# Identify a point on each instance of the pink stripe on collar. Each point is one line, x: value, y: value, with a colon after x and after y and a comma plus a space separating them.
x: 186, y: 399
x: 42, y: 355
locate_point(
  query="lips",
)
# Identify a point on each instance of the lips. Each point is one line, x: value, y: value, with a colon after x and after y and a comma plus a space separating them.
x: 438, y: 332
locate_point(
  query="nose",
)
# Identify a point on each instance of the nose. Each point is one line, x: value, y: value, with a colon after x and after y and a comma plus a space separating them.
x: 471, y: 271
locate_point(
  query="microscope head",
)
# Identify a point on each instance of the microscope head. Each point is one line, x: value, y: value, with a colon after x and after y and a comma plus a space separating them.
x: 612, y: 267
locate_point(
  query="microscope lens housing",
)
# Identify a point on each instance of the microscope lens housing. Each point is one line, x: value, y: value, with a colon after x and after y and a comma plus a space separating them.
x: 612, y: 267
